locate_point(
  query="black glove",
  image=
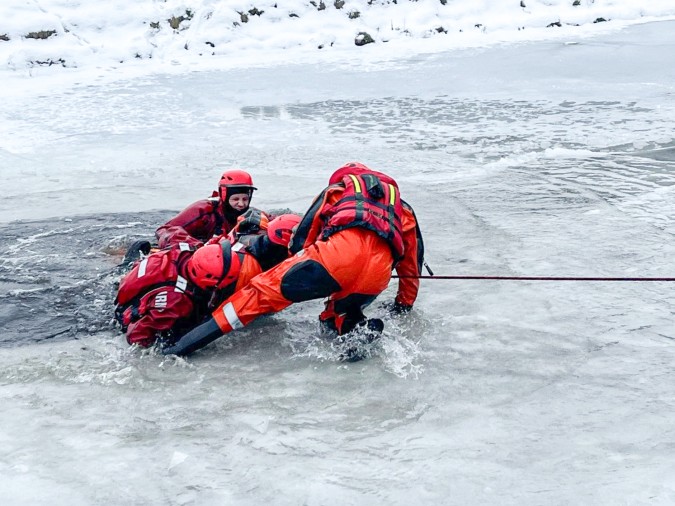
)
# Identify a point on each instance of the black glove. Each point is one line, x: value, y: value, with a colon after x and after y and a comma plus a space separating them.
x: 166, y: 338
x: 249, y: 222
x: 399, y: 309
x: 197, y: 338
x: 135, y: 250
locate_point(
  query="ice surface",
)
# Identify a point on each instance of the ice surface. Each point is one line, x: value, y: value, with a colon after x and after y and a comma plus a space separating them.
x: 546, y: 158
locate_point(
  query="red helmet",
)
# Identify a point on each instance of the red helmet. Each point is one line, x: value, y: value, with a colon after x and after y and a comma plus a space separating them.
x: 214, y: 266
x: 281, y: 228
x: 236, y: 178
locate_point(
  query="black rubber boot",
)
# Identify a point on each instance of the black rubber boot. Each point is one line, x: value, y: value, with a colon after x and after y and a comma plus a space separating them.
x: 365, y: 333
x: 374, y: 325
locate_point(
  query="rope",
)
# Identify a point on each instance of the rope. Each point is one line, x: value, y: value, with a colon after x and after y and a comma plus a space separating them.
x: 537, y: 278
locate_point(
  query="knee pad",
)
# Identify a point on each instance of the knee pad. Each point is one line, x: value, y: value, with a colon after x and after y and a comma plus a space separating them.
x: 307, y: 280
x: 353, y: 303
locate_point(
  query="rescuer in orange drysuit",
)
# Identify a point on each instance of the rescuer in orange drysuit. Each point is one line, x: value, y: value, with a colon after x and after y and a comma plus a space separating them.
x: 259, y: 244
x: 355, y: 232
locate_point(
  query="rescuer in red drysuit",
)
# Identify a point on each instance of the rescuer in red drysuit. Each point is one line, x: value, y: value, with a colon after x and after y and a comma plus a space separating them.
x: 170, y: 291
x: 212, y: 216
x: 355, y: 232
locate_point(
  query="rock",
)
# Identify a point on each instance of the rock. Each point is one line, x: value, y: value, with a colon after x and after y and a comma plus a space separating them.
x: 363, y: 38
x: 42, y: 34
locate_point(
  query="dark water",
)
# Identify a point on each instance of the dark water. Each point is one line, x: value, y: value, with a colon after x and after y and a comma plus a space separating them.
x: 57, y: 276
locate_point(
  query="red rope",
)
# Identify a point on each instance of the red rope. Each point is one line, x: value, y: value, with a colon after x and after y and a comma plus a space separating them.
x: 537, y: 278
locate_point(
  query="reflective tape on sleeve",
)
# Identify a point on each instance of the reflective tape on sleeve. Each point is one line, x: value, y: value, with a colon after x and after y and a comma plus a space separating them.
x: 142, y: 267
x: 231, y: 316
x: 181, y: 284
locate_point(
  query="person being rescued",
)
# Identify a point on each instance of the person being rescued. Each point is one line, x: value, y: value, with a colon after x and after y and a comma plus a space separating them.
x: 172, y: 290
x: 213, y: 216
x: 355, y: 232
x: 259, y: 244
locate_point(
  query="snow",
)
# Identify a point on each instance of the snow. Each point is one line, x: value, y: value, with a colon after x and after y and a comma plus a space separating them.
x: 544, y: 151
x: 104, y: 35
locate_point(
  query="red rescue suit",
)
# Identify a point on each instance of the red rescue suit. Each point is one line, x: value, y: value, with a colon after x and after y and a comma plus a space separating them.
x: 201, y: 220
x: 155, y: 298
x: 352, y: 236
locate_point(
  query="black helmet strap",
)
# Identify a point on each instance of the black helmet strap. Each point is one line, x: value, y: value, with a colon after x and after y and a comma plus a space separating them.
x: 227, y: 260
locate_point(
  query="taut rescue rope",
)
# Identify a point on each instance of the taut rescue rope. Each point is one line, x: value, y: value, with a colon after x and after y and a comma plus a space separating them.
x: 537, y: 278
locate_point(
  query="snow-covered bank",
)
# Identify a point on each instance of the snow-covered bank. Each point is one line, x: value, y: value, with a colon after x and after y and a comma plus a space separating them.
x: 79, y: 33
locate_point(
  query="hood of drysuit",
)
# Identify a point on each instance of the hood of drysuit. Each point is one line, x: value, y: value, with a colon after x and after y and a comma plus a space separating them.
x: 358, y: 168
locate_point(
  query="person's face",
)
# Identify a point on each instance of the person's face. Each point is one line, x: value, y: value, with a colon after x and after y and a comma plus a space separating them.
x: 239, y: 201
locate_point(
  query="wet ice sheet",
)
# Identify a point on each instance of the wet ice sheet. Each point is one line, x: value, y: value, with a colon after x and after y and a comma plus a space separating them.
x: 535, y: 159
x: 97, y: 145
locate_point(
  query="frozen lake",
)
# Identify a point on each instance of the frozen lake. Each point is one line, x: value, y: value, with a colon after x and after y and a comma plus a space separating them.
x: 546, y: 159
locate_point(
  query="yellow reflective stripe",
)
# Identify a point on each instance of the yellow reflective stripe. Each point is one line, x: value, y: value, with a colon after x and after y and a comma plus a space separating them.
x: 392, y: 194
x: 356, y: 182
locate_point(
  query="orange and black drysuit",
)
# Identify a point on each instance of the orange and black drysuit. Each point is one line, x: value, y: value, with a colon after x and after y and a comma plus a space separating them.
x: 345, y: 247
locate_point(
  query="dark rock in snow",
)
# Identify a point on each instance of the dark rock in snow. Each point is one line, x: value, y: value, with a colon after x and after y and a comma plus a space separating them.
x: 363, y: 38
x: 42, y: 34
